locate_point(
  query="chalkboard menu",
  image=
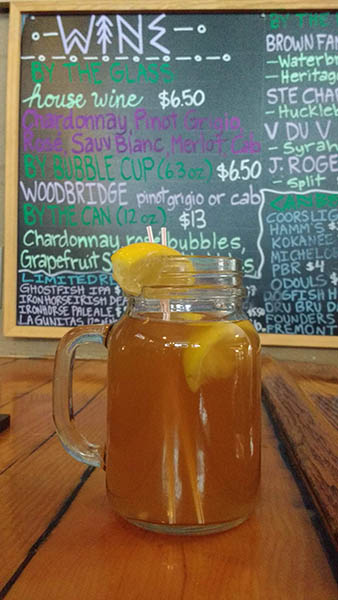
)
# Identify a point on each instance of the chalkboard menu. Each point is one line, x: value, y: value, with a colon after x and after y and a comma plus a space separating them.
x: 222, y: 127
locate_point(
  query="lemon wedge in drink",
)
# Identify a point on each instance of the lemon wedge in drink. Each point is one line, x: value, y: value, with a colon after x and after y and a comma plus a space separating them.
x: 210, y: 353
x: 188, y: 316
x: 134, y: 265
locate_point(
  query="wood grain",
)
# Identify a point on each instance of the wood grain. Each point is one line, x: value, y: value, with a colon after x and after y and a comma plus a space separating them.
x: 144, y: 5
x: 305, y: 408
x: 31, y: 411
x: 21, y: 376
x: 93, y: 554
x: 11, y: 170
x: 61, y: 540
x: 35, y: 487
x: 4, y: 360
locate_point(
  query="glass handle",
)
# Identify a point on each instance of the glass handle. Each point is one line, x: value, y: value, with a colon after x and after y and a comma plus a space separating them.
x: 72, y: 440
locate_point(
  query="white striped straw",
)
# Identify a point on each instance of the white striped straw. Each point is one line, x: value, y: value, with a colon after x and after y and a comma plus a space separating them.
x: 163, y: 236
x: 188, y: 448
x: 150, y: 234
x: 165, y: 303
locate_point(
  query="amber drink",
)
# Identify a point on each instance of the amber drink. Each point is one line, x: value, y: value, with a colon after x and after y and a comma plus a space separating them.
x: 183, y: 393
x: 188, y: 458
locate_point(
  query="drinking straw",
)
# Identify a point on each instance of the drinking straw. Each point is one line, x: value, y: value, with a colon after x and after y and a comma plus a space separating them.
x: 165, y: 303
x: 177, y: 422
x: 176, y: 431
x: 169, y: 460
x: 168, y: 441
x: 163, y: 236
x: 150, y: 234
x: 169, y: 444
x: 191, y: 464
x: 188, y: 449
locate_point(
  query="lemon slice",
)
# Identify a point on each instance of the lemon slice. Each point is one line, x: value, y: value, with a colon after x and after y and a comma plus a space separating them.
x: 134, y: 265
x: 210, y: 352
x: 188, y: 316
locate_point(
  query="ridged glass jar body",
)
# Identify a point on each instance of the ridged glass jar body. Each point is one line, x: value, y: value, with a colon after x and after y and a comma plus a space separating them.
x: 183, y: 426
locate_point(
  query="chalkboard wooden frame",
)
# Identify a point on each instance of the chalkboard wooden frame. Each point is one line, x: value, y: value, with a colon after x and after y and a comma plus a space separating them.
x: 19, y: 7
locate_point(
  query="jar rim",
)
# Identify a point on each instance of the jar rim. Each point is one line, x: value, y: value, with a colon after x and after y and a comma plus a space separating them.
x: 186, y: 272
x: 204, y: 257
x: 196, y: 263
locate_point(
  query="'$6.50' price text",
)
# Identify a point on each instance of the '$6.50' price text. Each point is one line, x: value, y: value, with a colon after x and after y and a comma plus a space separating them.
x: 175, y: 99
x: 243, y: 170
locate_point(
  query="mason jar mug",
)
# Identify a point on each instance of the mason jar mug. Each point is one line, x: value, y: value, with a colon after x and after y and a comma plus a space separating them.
x: 182, y: 453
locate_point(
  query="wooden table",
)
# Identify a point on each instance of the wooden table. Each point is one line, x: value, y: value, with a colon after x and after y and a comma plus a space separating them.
x: 60, y: 540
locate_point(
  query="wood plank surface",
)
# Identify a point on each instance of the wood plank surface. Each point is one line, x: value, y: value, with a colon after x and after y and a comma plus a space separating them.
x: 60, y: 539
x: 92, y: 554
x: 4, y: 360
x: 31, y: 411
x: 35, y: 487
x: 21, y: 376
x: 135, y: 5
x: 303, y: 402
